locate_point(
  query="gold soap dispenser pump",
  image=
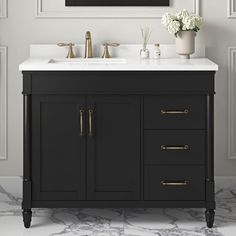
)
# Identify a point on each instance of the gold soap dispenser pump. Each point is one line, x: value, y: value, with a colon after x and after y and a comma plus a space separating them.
x: 88, y: 45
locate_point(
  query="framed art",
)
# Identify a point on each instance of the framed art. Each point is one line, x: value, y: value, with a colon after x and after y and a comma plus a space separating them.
x: 71, y: 3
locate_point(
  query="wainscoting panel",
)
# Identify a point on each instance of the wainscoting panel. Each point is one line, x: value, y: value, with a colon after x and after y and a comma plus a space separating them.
x: 231, y: 8
x: 3, y: 8
x: 232, y: 103
x: 3, y: 103
x: 57, y: 9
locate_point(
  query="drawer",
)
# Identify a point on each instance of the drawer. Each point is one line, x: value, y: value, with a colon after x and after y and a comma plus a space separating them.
x: 174, y: 112
x: 174, y: 147
x: 118, y: 82
x: 185, y: 183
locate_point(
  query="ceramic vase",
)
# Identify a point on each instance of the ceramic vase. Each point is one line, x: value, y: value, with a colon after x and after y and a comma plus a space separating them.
x: 185, y: 44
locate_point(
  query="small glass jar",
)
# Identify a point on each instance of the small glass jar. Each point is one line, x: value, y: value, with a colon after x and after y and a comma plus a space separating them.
x: 144, y: 54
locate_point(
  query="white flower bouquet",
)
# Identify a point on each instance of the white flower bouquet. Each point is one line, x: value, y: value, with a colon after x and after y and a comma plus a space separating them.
x: 181, y: 21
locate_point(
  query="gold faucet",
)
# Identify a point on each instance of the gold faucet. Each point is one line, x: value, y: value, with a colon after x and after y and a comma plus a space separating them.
x: 70, y: 50
x: 106, y: 53
x: 88, y: 45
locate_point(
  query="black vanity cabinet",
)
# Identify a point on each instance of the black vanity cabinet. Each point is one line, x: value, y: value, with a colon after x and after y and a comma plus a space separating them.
x: 118, y: 139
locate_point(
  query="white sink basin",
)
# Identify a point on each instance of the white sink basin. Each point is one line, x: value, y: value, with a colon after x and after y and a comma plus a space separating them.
x: 89, y: 61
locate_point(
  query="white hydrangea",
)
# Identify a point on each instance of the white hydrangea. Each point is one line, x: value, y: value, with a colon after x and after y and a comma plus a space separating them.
x: 173, y: 27
x: 182, y: 14
x: 191, y: 22
x: 198, y: 21
x: 167, y: 19
x: 188, y: 23
x: 181, y: 21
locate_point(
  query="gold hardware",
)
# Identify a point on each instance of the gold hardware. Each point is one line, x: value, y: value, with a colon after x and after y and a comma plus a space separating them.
x: 88, y: 45
x: 175, y: 112
x: 165, y: 147
x: 81, y: 122
x: 90, y: 122
x: 174, y: 183
x: 70, y: 50
x: 106, y: 53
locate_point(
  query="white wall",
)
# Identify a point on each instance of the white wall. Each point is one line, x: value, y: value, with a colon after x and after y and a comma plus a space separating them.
x: 22, y: 28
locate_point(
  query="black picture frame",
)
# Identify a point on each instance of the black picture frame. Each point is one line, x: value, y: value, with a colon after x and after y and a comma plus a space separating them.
x: 107, y: 3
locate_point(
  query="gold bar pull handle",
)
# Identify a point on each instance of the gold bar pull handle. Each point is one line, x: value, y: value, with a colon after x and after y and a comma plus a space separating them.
x: 174, y: 183
x: 175, y: 112
x: 81, y: 120
x: 90, y: 131
x: 177, y: 147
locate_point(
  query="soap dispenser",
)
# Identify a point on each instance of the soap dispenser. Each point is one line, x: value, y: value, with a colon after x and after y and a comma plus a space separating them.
x: 157, y: 51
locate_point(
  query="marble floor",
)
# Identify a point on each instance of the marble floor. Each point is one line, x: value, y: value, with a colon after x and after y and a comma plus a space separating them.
x: 116, y: 222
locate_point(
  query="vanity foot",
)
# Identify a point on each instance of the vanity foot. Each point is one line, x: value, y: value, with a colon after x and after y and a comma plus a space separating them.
x: 27, y: 215
x: 210, y: 215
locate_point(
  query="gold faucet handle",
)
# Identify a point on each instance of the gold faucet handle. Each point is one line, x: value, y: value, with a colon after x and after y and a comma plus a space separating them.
x: 65, y: 44
x: 106, y: 53
x: 70, y: 50
x: 111, y: 44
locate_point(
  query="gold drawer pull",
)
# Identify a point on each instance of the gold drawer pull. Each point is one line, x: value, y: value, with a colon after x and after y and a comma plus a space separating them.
x: 81, y: 122
x: 174, y: 183
x: 182, y: 147
x: 175, y: 112
x: 90, y: 112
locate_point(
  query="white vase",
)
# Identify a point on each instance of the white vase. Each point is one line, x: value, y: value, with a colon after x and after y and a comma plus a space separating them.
x: 185, y: 44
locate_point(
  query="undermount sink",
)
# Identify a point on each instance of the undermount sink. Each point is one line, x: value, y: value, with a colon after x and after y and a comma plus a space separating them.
x: 89, y: 61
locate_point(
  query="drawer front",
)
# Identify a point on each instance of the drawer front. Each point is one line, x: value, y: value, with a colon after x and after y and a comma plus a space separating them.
x: 130, y: 82
x: 174, y: 112
x: 174, y: 147
x: 174, y: 183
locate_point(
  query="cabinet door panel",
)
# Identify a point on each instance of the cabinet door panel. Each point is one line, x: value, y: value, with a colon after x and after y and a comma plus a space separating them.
x: 114, y: 149
x: 58, y: 150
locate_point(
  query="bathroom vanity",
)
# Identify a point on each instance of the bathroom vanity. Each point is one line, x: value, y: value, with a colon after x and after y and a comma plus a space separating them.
x: 138, y: 134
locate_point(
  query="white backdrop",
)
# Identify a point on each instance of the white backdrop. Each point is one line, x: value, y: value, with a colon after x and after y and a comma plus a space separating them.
x: 47, y: 21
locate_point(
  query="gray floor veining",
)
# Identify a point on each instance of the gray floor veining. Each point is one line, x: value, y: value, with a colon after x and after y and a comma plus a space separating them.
x: 115, y: 222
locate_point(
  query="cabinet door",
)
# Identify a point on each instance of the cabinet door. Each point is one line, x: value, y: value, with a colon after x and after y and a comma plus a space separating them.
x: 113, y: 152
x: 58, y: 149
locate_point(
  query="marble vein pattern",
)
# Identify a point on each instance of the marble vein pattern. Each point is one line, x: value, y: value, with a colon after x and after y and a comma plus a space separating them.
x: 115, y: 222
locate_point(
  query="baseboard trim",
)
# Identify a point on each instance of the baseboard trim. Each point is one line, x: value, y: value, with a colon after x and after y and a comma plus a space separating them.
x: 225, y: 177
x: 11, y: 177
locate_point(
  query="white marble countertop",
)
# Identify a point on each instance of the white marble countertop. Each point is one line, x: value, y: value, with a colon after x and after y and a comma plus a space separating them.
x: 130, y: 64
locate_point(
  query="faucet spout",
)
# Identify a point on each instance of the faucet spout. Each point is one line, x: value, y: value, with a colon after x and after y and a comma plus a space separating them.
x: 88, y: 45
